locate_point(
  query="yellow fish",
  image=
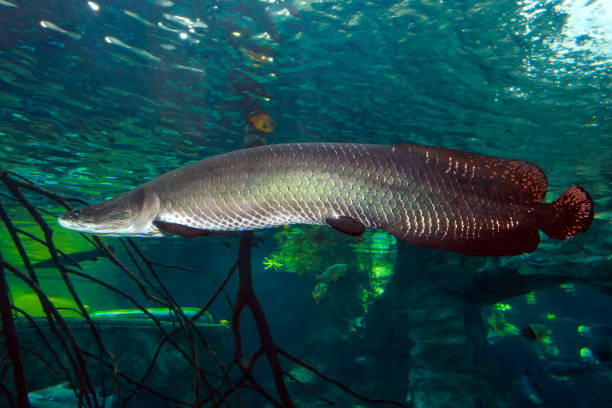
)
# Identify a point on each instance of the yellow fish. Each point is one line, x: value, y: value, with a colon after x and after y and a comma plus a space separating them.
x: 261, y: 121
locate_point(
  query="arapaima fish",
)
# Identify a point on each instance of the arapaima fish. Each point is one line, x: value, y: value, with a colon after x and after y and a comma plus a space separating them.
x: 429, y: 196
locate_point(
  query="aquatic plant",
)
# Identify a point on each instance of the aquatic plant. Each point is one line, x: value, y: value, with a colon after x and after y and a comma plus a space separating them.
x: 311, y: 249
x: 304, y: 249
x: 376, y: 254
x: 317, y: 251
x: 272, y: 262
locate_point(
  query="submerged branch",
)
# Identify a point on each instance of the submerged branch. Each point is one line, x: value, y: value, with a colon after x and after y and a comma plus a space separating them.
x: 246, y: 298
x: 210, y: 388
x: 12, y: 341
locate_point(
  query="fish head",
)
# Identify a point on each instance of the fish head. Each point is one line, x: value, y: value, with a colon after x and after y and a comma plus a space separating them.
x: 130, y: 214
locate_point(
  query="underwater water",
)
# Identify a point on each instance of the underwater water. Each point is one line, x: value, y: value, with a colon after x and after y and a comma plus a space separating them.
x: 98, y: 97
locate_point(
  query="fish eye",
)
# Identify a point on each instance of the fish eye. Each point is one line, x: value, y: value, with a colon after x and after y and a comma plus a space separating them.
x: 76, y: 213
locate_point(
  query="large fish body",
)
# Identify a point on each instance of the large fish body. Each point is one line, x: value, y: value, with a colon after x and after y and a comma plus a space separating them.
x: 429, y: 196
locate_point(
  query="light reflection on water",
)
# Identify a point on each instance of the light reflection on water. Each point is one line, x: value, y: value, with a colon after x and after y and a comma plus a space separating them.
x: 108, y: 87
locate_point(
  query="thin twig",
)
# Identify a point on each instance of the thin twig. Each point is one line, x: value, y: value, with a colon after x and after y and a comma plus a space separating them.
x: 12, y: 341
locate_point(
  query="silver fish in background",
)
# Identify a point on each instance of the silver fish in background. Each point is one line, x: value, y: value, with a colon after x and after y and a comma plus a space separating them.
x: 531, y: 390
x: 62, y: 396
x: 332, y: 273
x: 429, y: 196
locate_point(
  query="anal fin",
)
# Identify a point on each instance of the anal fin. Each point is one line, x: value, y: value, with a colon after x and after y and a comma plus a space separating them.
x: 183, y: 230
x: 347, y: 225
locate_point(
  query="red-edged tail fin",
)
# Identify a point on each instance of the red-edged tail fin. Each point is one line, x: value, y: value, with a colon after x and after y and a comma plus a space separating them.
x: 571, y: 214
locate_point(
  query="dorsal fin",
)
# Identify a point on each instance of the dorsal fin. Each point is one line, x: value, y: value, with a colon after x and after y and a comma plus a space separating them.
x: 510, y: 179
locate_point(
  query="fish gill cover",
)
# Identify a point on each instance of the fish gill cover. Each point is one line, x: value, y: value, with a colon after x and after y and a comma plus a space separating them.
x: 98, y: 97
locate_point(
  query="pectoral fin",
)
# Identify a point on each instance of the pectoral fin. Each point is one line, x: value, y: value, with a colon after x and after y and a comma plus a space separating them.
x: 346, y: 225
x: 183, y: 230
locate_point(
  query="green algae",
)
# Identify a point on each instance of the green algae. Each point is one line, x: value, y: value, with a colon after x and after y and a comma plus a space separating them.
x: 310, y: 250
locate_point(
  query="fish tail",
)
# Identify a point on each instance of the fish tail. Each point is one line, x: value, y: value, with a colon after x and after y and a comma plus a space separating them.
x: 568, y: 215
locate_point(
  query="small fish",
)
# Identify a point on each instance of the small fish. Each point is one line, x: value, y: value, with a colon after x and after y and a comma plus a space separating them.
x: 168, y: 47
x: 185, y: 21
x: 363, y: 360
x: 261, y: 121
x: 7, y: 3
x: 62, y: 396
x: 138, y: 51
x: 186, y: 68
x: 332, y: 273
x: 535, y: 331
x: 164, y: 3
x: 302, y: 374
x: 137, y: 17
x: 51, y: 26
x: 604, y: 215
x: 257, y: 56
x: 320, y: 291
x: 530, y: 388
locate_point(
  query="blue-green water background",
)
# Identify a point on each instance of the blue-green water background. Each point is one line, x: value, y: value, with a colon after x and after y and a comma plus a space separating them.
x: 130, y: 91
x: 508, y: 78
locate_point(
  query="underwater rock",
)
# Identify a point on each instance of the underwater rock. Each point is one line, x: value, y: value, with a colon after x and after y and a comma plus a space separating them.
x: 447, y: 364
x: 527, y: 270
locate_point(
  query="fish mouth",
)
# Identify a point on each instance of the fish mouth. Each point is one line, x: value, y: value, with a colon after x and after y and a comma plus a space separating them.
x: 118, y: 227
x: 66, y: 221
x: 99, y: 219
x: 130, y: 214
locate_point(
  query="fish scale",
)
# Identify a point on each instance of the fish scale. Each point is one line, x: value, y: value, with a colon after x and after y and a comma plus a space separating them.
x: 387, y: 187
x: 430, y: 196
